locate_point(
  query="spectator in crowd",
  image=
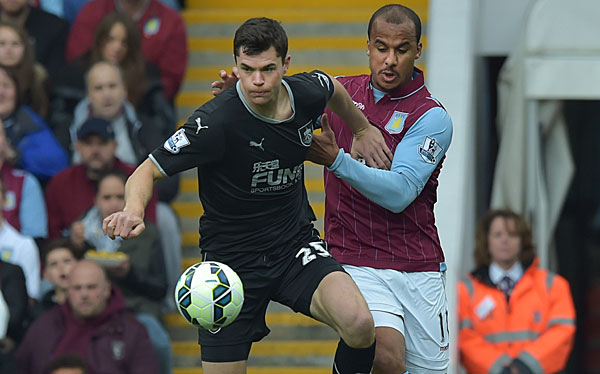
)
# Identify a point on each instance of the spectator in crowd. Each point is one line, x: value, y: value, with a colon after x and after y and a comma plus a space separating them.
x: 67, y: 364
x: 141, y: 274
x: 13, y: 311
x: 514, y: 318
x: 58, y: 256
x: 31, y: 144
x: 24, y: 206
x: 71, y: 192
x: 16, y: 52
x: 117, y: 40
x: 92, y: 323
x: 107, y: 99
x: 47, y: 31
x: 19, y: 250
x: 163, y: 35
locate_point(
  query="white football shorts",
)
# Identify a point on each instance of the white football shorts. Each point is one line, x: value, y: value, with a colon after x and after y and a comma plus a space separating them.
x: 414, y: 304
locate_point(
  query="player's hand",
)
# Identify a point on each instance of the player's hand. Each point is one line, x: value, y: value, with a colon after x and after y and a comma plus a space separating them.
x: 126, y: 224
x: 370, y: 145
x: 227, y: 80
x: 323, y: 149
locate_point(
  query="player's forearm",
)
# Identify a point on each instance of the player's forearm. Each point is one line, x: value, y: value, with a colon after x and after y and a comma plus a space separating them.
x: 341, y: 104
x: 139, y: 186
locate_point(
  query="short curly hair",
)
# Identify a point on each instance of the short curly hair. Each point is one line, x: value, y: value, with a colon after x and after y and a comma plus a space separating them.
x: 482, y: 252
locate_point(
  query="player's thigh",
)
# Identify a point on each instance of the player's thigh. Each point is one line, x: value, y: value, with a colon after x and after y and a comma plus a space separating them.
x: 426, y: 317
x: 316, y: 285
x: 390, y: 349
x: 337, y: 301
x: 238, y: 367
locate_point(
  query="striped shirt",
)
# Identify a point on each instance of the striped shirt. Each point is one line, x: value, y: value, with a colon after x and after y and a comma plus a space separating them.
x: 385, y: 219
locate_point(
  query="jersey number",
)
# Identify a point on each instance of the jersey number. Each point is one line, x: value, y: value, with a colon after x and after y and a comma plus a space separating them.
x: 447, y: 329
x: 311, y: 252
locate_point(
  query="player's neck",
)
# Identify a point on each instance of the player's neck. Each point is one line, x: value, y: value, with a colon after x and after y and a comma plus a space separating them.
x: 279, y: 108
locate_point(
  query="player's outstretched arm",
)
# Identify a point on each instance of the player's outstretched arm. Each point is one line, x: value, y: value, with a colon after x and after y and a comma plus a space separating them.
x: 368, y: 141
x: 129, y: 223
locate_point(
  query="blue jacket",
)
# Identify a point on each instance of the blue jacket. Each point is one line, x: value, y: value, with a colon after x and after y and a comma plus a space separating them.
x: 39, y: 151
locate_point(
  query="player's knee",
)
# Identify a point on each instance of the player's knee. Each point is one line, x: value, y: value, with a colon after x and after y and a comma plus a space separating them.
x: 360, y: 333
x: 388, y: 361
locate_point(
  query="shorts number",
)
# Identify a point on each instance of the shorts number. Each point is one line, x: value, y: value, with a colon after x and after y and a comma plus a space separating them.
x: 447, y: 329
x: 311, y: 252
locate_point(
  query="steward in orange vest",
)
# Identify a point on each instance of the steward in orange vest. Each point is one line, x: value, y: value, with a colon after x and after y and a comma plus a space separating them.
x: 528, y: 329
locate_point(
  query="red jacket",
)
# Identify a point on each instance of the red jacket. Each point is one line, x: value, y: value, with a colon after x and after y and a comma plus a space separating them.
x: 163, y: 38
x: 117, y: 343
x: 536, y: 326
x: 71, y: 193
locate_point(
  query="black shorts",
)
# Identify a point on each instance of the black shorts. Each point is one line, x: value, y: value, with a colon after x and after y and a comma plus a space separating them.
x: 290, y: 278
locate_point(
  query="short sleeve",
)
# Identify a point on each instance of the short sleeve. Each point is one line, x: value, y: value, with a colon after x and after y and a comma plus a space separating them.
x: 199, y: 142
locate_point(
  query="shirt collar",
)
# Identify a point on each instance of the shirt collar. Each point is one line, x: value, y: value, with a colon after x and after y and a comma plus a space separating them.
x: 415, y: 85
x: 497, y: 273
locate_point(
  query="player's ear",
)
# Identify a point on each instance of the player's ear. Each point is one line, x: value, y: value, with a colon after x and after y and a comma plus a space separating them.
x: 419, y: 50
x: 286, y: 63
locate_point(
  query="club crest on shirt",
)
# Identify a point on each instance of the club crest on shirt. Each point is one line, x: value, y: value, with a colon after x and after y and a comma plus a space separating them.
x: 396, y: 122
x: 176, y: 141
x: 118, y: 349
x: 10, y: 200
x: 430, y: 150
x: 306, y: 133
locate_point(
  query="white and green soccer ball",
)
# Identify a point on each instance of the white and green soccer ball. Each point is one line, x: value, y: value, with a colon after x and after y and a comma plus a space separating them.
x: 209, y: 295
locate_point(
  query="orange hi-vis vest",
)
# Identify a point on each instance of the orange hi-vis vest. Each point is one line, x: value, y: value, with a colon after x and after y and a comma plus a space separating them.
x: 536, y: 325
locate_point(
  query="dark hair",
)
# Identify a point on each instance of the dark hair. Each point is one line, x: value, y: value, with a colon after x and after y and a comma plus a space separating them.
x: 12, y: 75
x: 482, y: 253
x: 65, y: 243
x: 133, y: 65
x: 112, y: 173
x: 31, y: 76
x: 67, y: 360
x: 257, y: 35
x: 2, y: 188
x: 396, y: 14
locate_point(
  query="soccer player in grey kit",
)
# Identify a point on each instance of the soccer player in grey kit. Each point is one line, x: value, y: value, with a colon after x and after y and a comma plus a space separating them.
x: 249, y: 145
x: 380, y: 223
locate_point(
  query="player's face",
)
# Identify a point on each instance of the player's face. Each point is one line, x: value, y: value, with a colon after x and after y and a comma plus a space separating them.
x: 504, y: 242
x: 392, y: 50
x: 88, y: 290
x: 106, y: 91
x: 59, y: 264
x: 260, y: 76
x: 116, y: 46
x: 97, y: 153
x: 11, y: 47
x: 111, y: 196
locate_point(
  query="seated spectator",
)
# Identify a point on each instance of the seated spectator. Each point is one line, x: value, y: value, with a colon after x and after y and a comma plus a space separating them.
x: 141, y: 275
x: 68, y: 9
x: 13, y: 301
x: 67, y: 364
x: 58, y: 256
x: 118, y: 41
x: 514, y: 317
x: 71, y: 192
x: 48, y: 33
x: 17, y: 53
x: 19, y: 250
x: 163, y: 36
x: 89, y: 324
x: 24, y: 206
x: 32, y: 146
x: 107, y: 99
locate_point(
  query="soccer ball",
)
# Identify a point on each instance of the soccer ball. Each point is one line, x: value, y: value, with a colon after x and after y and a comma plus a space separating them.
x: 209, y: 295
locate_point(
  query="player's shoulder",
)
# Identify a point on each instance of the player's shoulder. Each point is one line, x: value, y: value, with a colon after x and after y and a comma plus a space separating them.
x: 309, y: 79
x: 354, y: 80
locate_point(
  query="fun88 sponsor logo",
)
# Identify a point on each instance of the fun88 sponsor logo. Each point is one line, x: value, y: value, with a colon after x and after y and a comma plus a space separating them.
x: 267, y: 176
